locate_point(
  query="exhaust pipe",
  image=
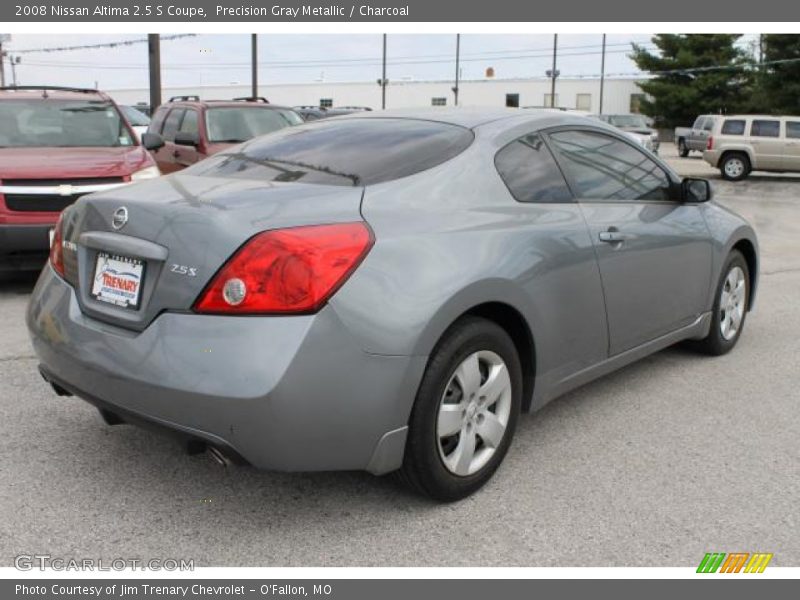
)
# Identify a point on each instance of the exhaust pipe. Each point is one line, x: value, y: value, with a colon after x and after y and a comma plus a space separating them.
x: 219, y: 457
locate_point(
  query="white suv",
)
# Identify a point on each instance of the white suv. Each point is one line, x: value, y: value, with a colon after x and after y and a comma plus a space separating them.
x: 740, y: 144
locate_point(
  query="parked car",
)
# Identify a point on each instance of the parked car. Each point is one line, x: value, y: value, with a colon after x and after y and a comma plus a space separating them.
x: 740, y: 144
x: 694, y: 138
x: 386, y: 291
x: 634, y: 124
x: 187, y: 129
x: 311, y: 113
x: 138, y: 121
x: 57, y: 144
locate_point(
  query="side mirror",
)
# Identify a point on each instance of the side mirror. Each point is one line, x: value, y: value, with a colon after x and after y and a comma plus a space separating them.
x: 183, y: 138
x: 696, y: 190
x: 152, y: 141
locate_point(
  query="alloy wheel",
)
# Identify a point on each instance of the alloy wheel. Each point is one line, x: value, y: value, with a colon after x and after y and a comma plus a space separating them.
x: 732, y: 303
x: 473, y: 413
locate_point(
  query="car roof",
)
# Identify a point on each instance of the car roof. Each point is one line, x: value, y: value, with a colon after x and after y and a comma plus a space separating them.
x: 759, y: 116
x: 50, y: 93
x: 465, y: 117
x: 224, y: 103
x: 472, y: 118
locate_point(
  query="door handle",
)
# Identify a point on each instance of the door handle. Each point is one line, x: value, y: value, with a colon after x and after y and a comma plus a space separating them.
x: 612, y: 237
x: 176, y: 154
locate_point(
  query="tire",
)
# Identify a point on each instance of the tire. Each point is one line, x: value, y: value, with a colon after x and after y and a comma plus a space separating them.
x: 721, y: 339
x: 431, y: 464
x: 682, y: 149
x: 734, y: 166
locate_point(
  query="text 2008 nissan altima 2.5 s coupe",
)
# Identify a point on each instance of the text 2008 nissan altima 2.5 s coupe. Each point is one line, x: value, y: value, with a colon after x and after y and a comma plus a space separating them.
x: 385, y: 291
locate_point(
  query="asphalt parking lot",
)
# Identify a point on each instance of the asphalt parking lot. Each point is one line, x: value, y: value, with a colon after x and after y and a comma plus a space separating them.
x: 655, y: 465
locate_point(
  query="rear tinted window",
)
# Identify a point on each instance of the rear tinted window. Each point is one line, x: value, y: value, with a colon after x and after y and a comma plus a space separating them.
x: 793, y: 129
x: 342, y: 152
x: 764, y: 128
x: 531, y: 172
x: 733, y: 127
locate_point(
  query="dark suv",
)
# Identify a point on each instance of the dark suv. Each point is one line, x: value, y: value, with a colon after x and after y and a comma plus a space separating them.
x: 57, y: 144
x: 186, y: 129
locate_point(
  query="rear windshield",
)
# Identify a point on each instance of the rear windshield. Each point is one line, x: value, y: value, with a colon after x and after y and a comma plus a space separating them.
x: 342, y: 152
x: 135, y: 117
x: 627, y: 121
x: 239, y: 124
x: 61, y: 123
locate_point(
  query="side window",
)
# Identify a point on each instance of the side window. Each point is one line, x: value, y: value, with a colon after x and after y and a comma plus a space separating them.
x: 171, y: 124
x: 698, y: 123
x: 606, y: 168
x: 530, y: 172
x: 793, y: 129
x: 158, y: 120
x: 765, y: 128
x: 189, y: 123
x: 733, y: 127
x: 709, y: 124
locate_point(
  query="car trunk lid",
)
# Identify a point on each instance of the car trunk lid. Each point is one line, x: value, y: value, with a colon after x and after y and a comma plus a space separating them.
x: 177, y: 233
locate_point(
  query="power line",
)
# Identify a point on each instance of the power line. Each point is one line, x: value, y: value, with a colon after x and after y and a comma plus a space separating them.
x: 115, y: 44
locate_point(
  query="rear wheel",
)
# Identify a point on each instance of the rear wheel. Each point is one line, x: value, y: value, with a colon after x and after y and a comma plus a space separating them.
x: 730, y: 307
x: 683, y: 150
x: 465, y: 412
x: 735, y: 166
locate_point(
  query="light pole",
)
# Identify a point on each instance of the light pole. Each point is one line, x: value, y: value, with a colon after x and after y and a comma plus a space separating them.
x: 383, y: 76
x: 553, y: 73
x: 254, y: 64
x: 458, y: 68
x: 602, y: 73
x: 154, y: 61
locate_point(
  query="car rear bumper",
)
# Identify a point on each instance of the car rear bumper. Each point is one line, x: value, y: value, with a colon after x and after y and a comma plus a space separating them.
x: 711, y: 157
x: 282, y: 393
x: 24, y: 246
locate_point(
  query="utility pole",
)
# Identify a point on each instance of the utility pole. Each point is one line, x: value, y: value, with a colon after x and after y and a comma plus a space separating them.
x: 14, y: 60
x: 383, y: 76
x: 4, y: 37
x: 553, y: 73
x: 602, y: 73
x: 154, y: 57
x: 254, y: 64
x: 458, y: 67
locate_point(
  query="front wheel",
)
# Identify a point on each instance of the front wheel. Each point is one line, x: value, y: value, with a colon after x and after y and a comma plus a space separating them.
x: 465, y: 412
x: 683, y: 150
x: 730, y: 307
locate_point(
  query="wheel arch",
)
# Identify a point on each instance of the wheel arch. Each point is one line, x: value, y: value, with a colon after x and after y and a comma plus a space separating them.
x: 735, y: 150
x: 748, y: 250
x: 512, y: 321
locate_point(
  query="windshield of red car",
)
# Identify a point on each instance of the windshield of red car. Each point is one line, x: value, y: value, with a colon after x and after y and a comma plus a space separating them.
x: 61, y: 123
x: 239, y: 124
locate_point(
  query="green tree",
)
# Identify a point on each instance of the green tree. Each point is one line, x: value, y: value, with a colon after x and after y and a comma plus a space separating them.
x: 692, y: 74
x: 779, y: 81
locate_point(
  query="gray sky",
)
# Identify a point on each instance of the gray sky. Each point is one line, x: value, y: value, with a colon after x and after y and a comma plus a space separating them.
x: 221, y: 59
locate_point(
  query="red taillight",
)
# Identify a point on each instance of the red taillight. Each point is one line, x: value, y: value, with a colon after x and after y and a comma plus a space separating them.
x: 57, y: 248
x: 710, y: 144
x: 291, y: 270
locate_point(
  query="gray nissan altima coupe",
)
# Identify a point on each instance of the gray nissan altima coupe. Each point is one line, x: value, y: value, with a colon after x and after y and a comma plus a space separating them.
x: 385, y: 291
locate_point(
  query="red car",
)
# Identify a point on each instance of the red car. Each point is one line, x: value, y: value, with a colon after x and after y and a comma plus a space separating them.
x: 186, y: 129
x: 57, y: 144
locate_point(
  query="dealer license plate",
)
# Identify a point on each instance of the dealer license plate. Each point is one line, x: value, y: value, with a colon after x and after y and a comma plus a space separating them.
x: 118, y: 280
